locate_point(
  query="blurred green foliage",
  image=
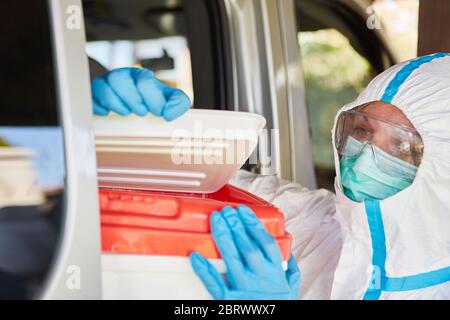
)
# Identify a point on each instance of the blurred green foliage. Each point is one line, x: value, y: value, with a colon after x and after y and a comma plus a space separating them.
x: 334, y: 75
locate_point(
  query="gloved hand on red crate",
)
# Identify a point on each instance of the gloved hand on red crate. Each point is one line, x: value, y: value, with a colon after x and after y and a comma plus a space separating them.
x: 252, y: 258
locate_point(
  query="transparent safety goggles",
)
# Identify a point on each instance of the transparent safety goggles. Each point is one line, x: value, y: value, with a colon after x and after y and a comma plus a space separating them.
x: 359, y: 129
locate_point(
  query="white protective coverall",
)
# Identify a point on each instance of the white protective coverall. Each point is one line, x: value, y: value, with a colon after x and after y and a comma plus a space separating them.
x: 397, y: 248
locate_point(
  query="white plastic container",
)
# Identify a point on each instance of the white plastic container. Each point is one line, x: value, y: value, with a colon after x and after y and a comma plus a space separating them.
x: 137, y: 153
x: 141, y: 277
x: 198, y: 152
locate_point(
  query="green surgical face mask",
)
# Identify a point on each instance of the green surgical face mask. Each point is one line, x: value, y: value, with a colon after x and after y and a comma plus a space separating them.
x: 373, y: 173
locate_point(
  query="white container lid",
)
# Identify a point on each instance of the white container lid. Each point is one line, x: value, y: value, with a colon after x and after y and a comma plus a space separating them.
x: 198, y: 152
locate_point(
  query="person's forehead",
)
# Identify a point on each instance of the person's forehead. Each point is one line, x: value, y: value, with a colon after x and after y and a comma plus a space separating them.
x: 388, y: 112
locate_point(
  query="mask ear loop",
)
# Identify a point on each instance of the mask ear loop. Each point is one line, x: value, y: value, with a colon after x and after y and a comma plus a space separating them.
x: 374, y: 153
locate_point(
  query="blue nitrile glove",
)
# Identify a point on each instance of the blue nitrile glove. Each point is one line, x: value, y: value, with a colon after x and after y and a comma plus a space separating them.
x: 136, y: 90
x: 252, y: 258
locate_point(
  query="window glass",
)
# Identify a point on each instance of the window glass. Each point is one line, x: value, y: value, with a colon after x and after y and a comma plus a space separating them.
x: 31, y: 150
x: 334, y: 75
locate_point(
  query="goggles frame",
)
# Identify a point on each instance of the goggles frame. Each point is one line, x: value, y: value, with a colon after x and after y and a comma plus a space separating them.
x: 416, y: 152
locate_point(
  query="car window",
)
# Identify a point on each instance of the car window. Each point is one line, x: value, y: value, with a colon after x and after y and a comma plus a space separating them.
x: 168, y: 57
x: 340, y: 54
x: 334, y: 74
x: 141, y: 34
x: 32, y: 178
x: 185, y: 42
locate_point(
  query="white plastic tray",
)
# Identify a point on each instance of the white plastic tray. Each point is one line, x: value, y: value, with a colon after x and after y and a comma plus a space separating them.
x: 199, y: 152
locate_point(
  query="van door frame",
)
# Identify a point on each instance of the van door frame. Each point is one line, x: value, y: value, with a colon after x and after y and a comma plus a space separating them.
x: 76, y: 271
x: 268, y: 80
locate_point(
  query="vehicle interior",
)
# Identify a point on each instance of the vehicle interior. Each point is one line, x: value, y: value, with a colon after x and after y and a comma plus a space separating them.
x: 29, y: 226
x: 182, y: 41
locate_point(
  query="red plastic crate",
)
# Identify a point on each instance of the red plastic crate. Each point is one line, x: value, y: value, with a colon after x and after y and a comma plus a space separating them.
x: 163, y: 223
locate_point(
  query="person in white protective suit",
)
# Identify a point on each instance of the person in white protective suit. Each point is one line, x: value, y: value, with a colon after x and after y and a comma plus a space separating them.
x: 395, y: 248
x: 385, y: 234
